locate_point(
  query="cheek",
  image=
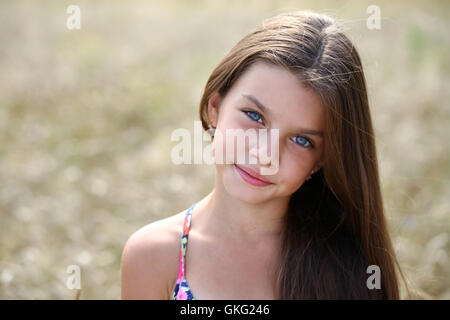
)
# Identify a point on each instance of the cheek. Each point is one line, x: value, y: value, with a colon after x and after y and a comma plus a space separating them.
x: 294, y: 170
x: 235, y: 120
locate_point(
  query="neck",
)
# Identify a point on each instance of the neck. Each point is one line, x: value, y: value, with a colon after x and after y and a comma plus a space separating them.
x: 242, y: 221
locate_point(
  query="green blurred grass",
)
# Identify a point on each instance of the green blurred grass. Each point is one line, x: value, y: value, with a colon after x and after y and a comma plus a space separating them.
x: 86, y: 118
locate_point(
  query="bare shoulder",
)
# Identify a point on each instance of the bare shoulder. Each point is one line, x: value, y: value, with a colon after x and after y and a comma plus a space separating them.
x: 150, y: 259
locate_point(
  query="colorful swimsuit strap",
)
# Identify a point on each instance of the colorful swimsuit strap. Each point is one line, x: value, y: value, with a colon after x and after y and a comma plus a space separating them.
x: 182, y: 290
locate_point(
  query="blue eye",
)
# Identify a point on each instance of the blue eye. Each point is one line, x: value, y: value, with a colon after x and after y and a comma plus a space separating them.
x: 255, y: 116
x: 302, y: 141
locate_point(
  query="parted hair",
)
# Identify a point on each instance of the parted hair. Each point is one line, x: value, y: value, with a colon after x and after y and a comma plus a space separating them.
x: 335, y: 227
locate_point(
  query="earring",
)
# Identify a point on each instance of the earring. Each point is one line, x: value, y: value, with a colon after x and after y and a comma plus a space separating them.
x: 211, y: 130
x: 309, y: 177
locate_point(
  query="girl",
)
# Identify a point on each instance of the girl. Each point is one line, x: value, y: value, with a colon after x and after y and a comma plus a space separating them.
x: 313, y: 230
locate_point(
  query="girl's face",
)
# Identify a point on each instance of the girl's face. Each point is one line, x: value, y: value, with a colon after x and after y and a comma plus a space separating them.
x: 269, y: 97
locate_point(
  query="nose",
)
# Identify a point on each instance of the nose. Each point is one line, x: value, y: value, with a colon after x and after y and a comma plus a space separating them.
x: 268, y: 152
x: 262, y: 152
x: 262, y: 155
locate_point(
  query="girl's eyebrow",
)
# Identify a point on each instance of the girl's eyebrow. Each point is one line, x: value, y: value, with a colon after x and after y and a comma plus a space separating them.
x: 311, y: 131
x: 265, y: 109
x: 256, y: 102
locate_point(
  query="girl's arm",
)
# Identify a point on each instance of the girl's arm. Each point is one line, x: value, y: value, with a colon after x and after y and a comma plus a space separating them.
x: 144, y: 265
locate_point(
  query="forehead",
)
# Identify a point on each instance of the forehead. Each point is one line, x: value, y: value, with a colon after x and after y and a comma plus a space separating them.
x: 282, y: 92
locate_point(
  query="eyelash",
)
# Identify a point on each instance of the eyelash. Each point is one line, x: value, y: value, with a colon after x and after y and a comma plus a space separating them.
x: 311, y: 145
x: 250, y: 111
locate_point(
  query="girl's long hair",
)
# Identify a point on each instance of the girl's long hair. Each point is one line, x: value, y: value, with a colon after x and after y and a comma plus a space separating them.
x: 335, y: 227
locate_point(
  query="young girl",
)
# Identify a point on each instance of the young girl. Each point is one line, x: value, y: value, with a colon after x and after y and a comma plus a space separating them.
x: 313, y: 230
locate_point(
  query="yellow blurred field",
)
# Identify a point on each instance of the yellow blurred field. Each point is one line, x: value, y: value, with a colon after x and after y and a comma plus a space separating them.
x: 86, y: 118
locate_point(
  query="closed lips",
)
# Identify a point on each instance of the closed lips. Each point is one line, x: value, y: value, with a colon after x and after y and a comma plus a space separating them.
x: 252, y: 173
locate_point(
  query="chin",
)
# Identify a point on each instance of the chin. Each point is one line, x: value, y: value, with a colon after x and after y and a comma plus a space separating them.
x: 238, y: 189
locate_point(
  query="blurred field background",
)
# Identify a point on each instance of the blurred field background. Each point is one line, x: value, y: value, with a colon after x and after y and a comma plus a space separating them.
x: 86, y: 118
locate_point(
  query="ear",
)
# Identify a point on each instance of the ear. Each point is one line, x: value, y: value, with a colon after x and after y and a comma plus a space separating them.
x: 318, y: 165
x: 213, y: 108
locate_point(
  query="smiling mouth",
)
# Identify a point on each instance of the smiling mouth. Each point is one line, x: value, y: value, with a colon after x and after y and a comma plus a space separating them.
x: 249, y: 178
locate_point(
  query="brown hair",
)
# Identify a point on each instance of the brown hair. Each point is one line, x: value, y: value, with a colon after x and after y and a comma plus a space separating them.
x: 335, y: 226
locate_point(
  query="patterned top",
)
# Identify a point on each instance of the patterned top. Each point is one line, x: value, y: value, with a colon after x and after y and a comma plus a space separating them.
x: 182, y: 290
